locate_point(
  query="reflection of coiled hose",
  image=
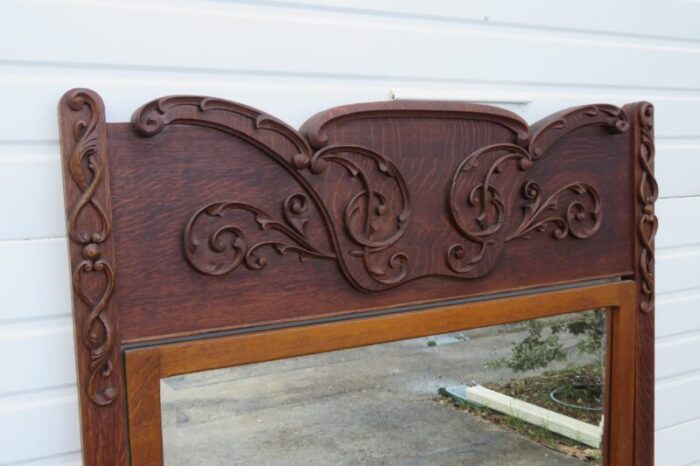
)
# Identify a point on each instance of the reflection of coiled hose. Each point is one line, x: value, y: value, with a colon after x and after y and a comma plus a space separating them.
x: 582, y: 387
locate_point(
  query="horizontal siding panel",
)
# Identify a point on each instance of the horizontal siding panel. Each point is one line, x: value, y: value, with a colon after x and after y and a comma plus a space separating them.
x: 672, y: 356
x: 39, y: 425
x: 677, y: 401
x: 70, y: 459
x: 31, y: 193
x: 46, y: 350
x: 678, y: 445
x: 676, y: 166
x: 34, y: 279
x: 677, y: 313
x: 679, y: 222
x: 676, y: 20
x: 34, y: 94
x: 677, y: 270
x: 330, y: 44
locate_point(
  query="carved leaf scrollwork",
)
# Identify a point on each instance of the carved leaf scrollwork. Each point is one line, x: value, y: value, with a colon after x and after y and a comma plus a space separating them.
x: 570, y: 120
x: 227, y: 246
x: 89, y: 226
x: 374, y: 219
x: 366, y: 219
x: 648, y: 194
x: 479, y: 211
x: 480, y: 216
x: 581, y: 218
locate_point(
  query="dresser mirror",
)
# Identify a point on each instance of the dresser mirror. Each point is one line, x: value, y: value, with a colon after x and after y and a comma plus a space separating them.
x: 223, y: 262
x: 523, y: 393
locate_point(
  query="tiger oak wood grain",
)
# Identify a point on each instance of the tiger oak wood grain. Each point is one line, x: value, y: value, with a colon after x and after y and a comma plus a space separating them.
x: 160, y: 181
x: 143, y: 401
x: 203, y: 216
x: 216, y: 353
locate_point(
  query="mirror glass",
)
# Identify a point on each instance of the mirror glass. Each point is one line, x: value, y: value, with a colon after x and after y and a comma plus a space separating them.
x: 527, y: 393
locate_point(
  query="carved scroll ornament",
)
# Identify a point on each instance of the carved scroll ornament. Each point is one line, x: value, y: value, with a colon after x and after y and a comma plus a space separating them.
x: 231, y: 237
x: 487, y: 191
x: 89, y: 227
x: 647, y: 195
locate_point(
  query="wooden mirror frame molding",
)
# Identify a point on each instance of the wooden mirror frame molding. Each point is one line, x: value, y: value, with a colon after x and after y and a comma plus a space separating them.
x: 408, y: 218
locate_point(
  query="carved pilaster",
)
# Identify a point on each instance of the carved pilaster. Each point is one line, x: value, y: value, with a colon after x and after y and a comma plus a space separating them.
x: 646, y: 192
x: 89, y: 224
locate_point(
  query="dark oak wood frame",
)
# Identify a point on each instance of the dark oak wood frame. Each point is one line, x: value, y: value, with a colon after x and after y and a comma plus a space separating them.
x: 414, y: 218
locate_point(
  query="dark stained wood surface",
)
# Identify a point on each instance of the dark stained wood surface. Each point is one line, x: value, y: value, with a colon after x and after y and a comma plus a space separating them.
x: 91, y: 248
x: 645, y: 226
x: 203, y: 215
x: 424, y: 236
x: 143, y: 400
x: 187, y: 357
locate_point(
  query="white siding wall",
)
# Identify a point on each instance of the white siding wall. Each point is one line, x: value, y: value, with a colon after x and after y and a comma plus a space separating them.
x: 292, y: 59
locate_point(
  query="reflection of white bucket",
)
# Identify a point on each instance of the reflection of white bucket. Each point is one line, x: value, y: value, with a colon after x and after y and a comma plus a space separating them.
x: 554, y: 396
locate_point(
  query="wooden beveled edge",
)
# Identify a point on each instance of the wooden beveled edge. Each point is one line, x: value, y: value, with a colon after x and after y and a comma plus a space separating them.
x: 314, y: 128
x: 143, y: 407
x: 620, y: 419
x: 146, y: 366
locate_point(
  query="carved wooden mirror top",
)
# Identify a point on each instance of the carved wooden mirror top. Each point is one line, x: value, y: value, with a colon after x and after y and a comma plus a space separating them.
x: 204, y: 217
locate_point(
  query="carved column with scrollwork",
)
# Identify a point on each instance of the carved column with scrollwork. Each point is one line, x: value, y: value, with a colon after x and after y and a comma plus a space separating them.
x: 646, y: 192
x: 90, y: 238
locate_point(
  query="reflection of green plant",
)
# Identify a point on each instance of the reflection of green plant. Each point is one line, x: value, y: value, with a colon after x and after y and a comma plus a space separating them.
x: 539, y: 348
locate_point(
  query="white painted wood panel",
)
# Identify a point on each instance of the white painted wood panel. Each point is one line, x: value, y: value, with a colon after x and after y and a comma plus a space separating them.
x: 71, y: 459
x: 38, y: 425
x: 323, y: 43
x: 34, y: 91
x: 31, y: 192
x: 672, y: 356
x: 676, y: 270
x: 621, y: 18
x: 34, y: 279
x: 676, y: 401
x: 679, y: 222
x: 678, y: 445
x: 676, y: 165
x: 36, y: 355
x: 678, y: 313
